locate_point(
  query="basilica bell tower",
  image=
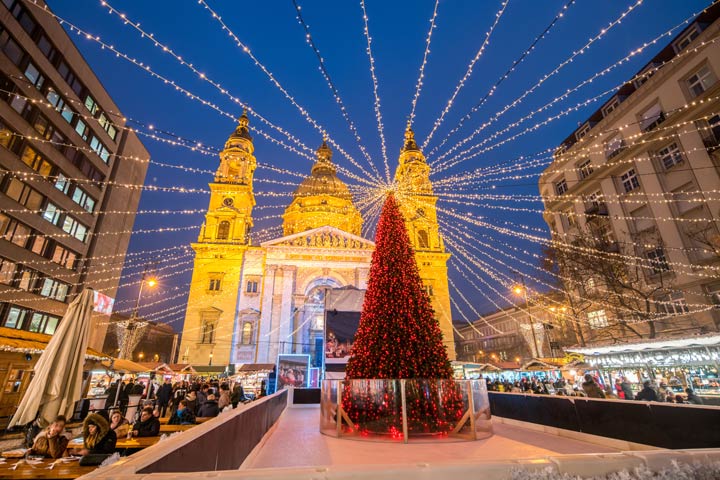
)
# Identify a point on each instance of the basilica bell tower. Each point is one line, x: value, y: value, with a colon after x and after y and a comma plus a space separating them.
x: 219, y: 253
x: 417, y: 204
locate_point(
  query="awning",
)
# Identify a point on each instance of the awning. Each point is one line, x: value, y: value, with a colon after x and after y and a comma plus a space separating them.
x: 21, y: 341
x: 121, y: 365
x: 538, y: 365
x: 209, y: 368
x: 649, y: 345
x: 256, y: 367
x: 182, y: 368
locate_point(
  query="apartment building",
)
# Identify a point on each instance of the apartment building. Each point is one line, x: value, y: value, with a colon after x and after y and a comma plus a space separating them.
x: 638, y: 183
x: 506, y: 335
x: 66, y: 212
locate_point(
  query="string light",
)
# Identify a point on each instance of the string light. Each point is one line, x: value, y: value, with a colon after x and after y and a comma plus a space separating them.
x: 333, y: 88
x: 504, y: 76
x: 378, y: 113
x: 468, y: 73
x: 421, y: 75
x: 182, y: 90
x: 305, y: 114
x: 633, y: 53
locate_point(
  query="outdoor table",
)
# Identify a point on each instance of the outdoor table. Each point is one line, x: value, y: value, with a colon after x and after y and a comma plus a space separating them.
x: 165, y: 420
x: 60, y: 470
x: 135, y: 442
x: 174, y: 428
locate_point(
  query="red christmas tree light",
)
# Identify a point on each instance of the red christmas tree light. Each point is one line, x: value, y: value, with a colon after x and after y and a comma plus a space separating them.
x: 398, y: 336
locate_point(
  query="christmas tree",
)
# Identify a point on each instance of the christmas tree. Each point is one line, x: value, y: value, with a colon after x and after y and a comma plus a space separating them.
x: 398, y: 336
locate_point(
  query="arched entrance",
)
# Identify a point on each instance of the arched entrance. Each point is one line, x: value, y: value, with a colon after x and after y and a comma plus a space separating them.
x: 310, y: 320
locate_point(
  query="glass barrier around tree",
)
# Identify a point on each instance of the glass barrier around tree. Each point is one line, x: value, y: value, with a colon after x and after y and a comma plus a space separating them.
x: 405, y: 410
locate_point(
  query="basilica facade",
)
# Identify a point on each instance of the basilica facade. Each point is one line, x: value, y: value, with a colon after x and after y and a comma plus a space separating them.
x: 250, y: 303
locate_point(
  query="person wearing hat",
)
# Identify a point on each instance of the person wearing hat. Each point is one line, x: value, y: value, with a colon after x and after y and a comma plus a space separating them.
x: 210, y: 408
x: 98, y: 437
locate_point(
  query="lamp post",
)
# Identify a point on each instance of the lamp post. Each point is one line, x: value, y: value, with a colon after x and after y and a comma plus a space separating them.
x: 522, y: 290
x: 128, y: 343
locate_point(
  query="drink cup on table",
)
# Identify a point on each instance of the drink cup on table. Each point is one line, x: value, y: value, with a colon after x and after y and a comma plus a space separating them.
x: 130, y: 432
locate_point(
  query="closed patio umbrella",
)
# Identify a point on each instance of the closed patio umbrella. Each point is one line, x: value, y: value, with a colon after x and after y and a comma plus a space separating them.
x: 57, y: 383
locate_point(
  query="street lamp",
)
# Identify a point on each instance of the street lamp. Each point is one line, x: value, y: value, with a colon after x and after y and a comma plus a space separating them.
x: 129, y: 340
x: 522, y: 290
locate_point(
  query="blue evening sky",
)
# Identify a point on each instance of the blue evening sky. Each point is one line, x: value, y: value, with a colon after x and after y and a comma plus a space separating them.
x: 398, y: 30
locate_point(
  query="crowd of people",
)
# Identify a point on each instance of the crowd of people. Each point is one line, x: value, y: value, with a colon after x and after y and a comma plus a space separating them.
x: 592, y: 387
x: 181, y: 402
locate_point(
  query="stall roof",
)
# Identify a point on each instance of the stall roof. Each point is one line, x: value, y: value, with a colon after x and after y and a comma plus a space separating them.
x: 538, y: 365
x: 255, y: 367
x: 156, y: 367
x: 124, y: 366
x: 182, y: 368
x: 21, y: 341
x: 649, y: 345
x: 209, y: 368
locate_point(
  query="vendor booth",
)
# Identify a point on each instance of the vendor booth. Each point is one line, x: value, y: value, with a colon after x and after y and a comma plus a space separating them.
x: 678, y: 362
x: 251, y: 377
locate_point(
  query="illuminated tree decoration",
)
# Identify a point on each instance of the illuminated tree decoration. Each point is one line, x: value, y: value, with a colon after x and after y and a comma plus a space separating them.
x: 399, y: 338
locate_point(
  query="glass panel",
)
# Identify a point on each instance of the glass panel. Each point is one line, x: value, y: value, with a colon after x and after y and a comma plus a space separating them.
x: 51, y: 325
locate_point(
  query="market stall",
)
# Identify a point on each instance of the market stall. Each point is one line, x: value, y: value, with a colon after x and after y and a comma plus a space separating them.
x: 251, y: 376
x: 678, y: 362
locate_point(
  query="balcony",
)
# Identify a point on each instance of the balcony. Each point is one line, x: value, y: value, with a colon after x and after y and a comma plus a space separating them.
x: 596, y: 209
x: 610, y: 247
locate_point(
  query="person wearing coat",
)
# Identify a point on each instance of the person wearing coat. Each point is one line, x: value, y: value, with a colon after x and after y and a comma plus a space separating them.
x: 52, y: 441
x: 111, y: 393
x: 647, y: 393
x: 238, y: 395
x: 210, y: 408
x: 163, y: 396
x: 98, y: 437
x: 592, y: 389
x: 148, y: 426
x: 182, y: 415
x: 627, y: 389
x: 693, y: 398
x: 224, y: 396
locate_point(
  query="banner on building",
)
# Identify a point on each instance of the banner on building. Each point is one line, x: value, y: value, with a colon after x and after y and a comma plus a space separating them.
x: 102, y: 303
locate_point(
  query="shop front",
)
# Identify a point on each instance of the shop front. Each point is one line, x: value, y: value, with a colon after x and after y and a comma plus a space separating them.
x: 678, y: 362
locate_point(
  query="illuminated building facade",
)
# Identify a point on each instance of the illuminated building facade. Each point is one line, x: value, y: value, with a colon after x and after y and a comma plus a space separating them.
x: 250, y: 303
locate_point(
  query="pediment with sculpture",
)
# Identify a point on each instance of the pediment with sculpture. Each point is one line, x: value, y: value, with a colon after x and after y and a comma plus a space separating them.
x: 323, y: 238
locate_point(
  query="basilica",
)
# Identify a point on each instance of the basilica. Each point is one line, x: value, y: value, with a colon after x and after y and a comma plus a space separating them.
x: 249, y: 303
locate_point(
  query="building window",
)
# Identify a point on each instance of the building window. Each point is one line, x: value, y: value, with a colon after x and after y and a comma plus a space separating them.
x: 15, y: 318
x: 429, y: 290
x: 597, y: 319
x: 585, y: 169
x: 223, y: 230
x: 252, y: 286
x: 658, y: 262
x: 670, y: 156
x: 423, y: 241
x: 208, y: 332
x: 686, y: 38
x: 700, y: 81
x: 561, y: 187
x: 214, y: 285
x: 14, y: 381
x: 651, y: 118
x: 582, y: 131
x: 613, y: 146
x: 672, y: 304
x: 611, y: 106
x: 247, y: 331
x: 630, y: 180
x: 52, y: 288
x: 7, y: 271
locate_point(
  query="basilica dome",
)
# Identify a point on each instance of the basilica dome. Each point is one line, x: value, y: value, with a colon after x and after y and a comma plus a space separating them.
x: 322, y: 199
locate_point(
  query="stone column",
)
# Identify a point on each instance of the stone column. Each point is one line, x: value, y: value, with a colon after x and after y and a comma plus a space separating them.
x: 263, y: 337
x: 286, y: 309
